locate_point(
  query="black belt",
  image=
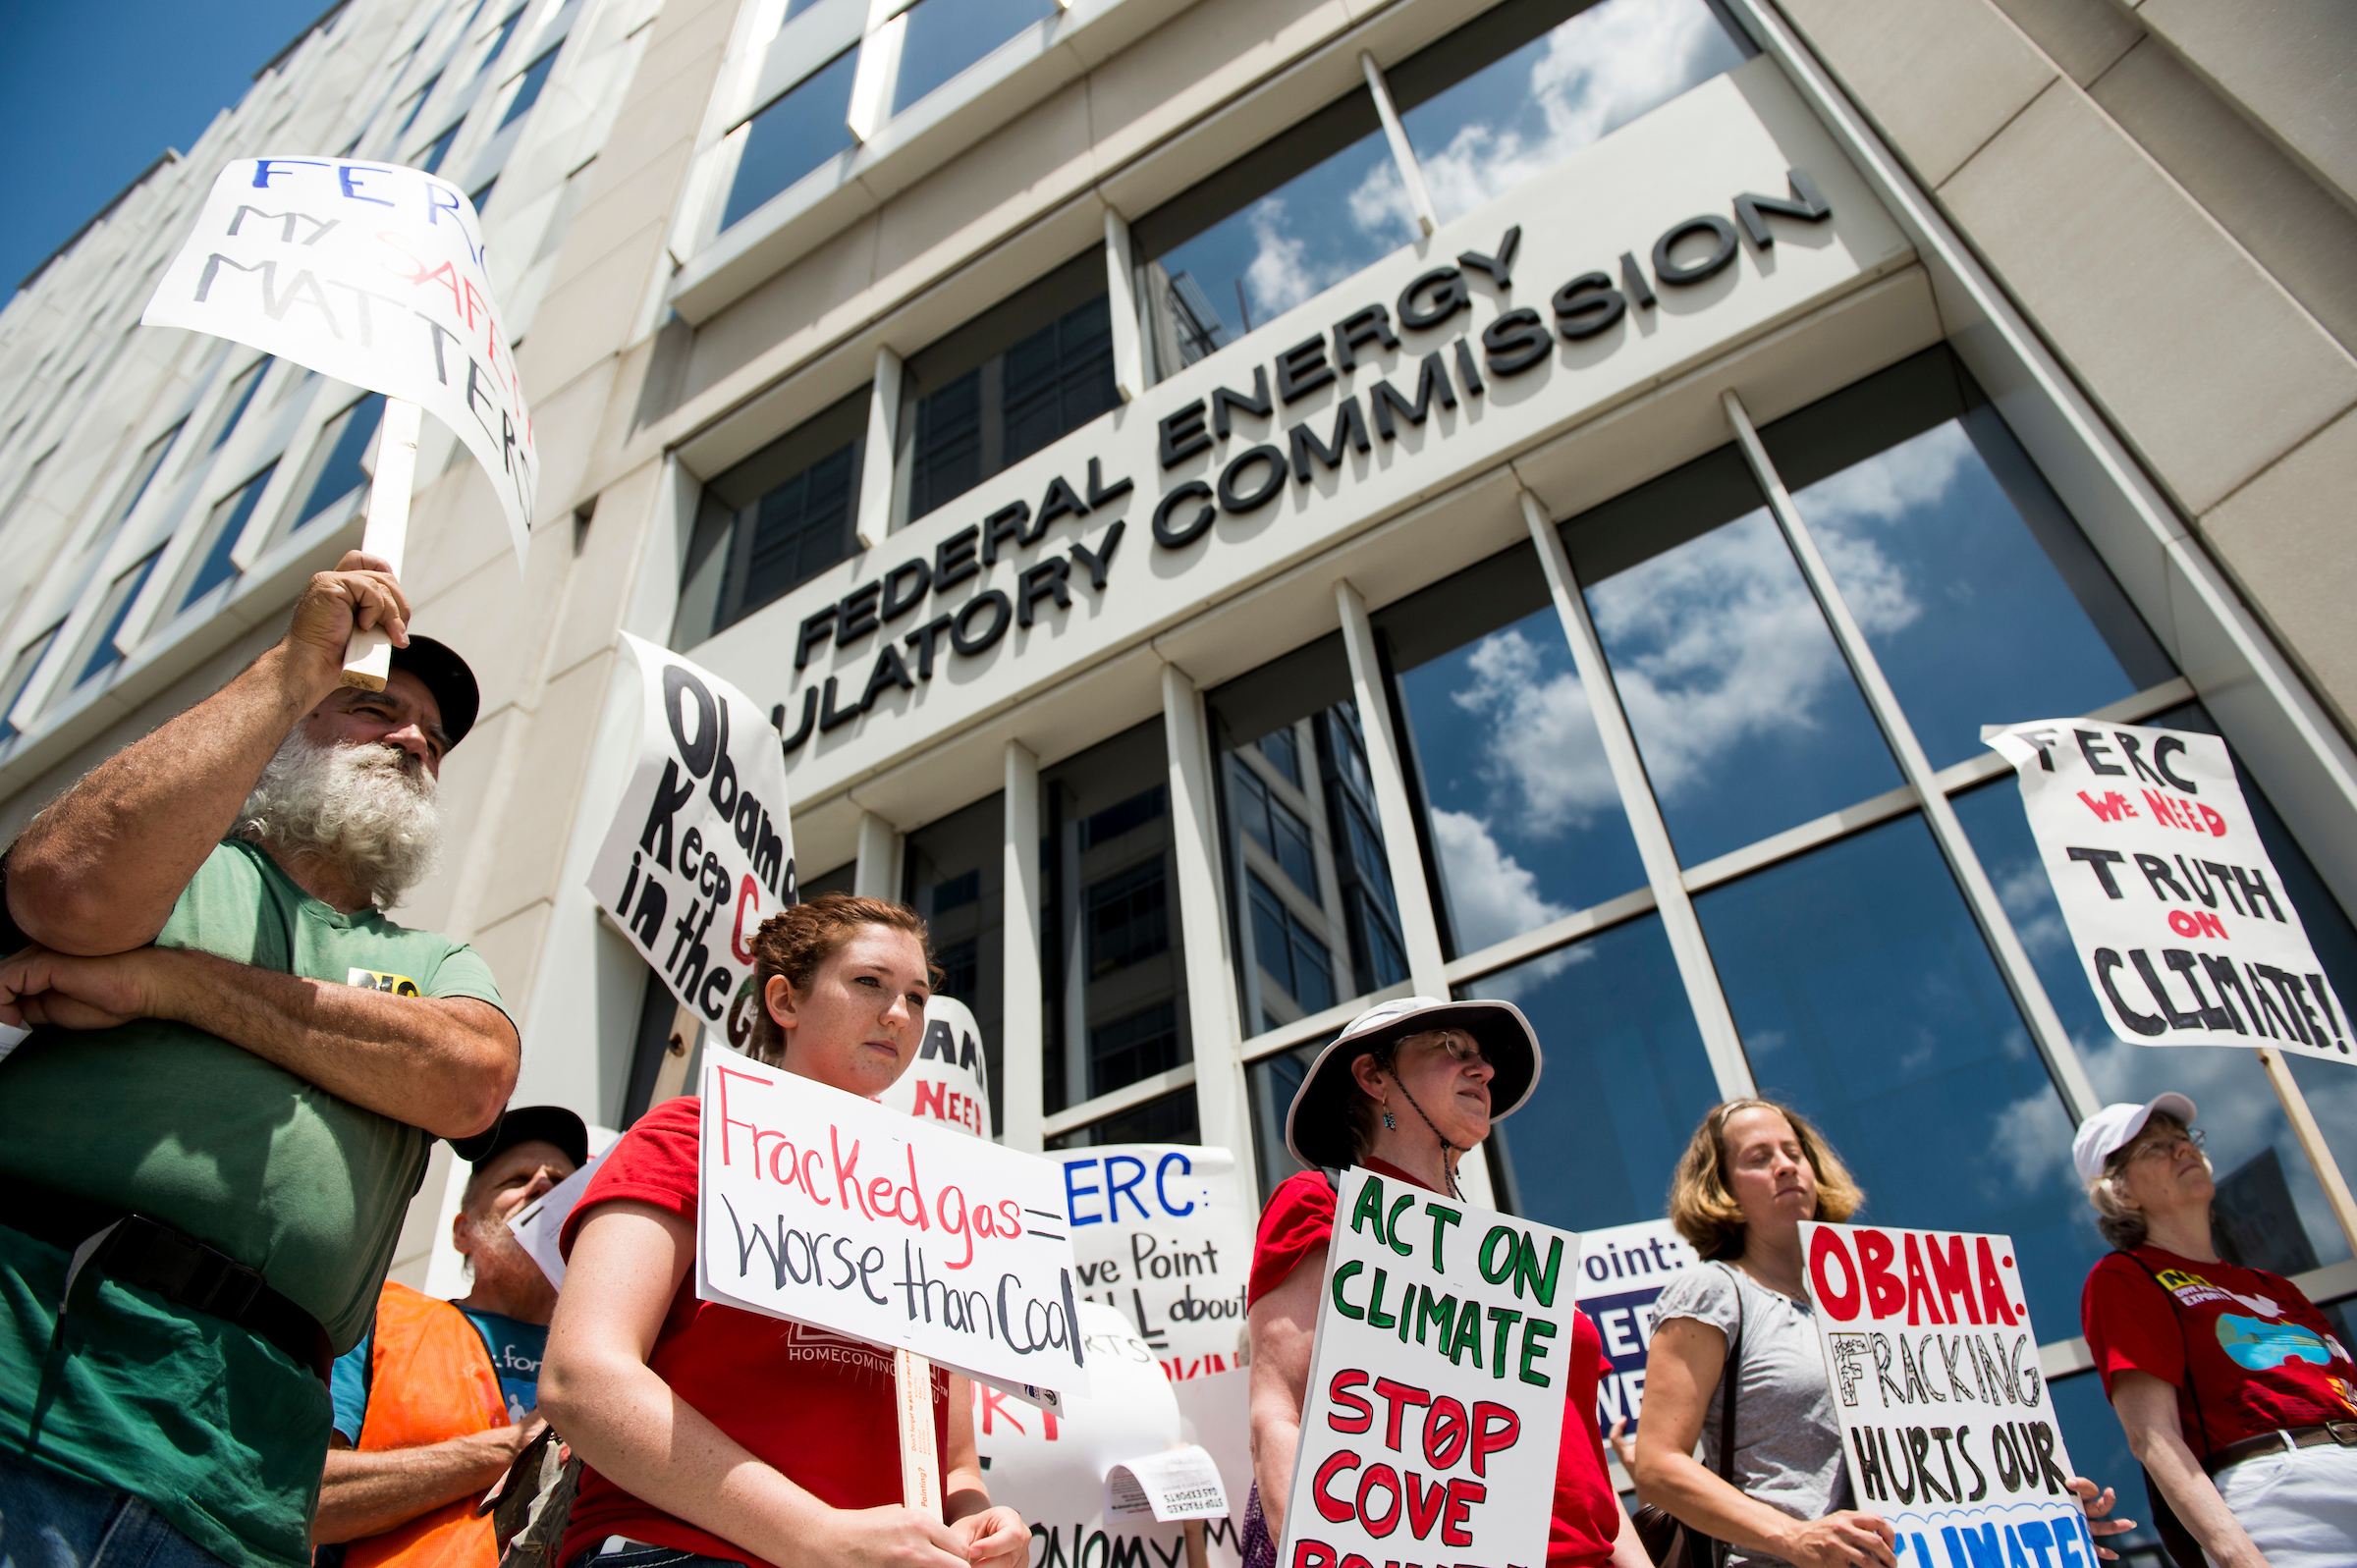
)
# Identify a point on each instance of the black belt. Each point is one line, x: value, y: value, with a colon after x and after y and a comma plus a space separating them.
x: 135, y: 1250
x: 2282, y: 1441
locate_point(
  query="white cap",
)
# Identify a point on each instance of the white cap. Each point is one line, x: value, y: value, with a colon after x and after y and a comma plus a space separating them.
x: 2115, y: 1127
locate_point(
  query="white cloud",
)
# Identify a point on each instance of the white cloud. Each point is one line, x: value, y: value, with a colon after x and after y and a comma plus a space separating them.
x: 1602, y: 69
x: 2029, y: 902
x: 1541, y: 755
x: 1491, y: 894
x: 1280, y: 275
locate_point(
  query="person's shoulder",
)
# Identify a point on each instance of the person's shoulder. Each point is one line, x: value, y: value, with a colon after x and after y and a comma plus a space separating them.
x: 1695, y: 1290
x: 1304, y: 1192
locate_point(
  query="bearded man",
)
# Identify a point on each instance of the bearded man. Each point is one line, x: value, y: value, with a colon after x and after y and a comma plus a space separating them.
x: 236, y: 1069
x: 439, y: 1397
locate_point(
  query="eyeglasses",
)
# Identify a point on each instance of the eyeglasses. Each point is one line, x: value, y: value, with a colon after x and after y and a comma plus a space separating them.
x: 2168, y: 1145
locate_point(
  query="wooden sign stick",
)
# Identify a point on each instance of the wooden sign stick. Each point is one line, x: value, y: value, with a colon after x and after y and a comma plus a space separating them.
x: 369, y: 656
x: 920, y: 1456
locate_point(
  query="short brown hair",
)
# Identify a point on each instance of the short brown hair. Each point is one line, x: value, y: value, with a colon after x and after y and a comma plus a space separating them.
x: 796, y: 941
x: 1703, y: 1207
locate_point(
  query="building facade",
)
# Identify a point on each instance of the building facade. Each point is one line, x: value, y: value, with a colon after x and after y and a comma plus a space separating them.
x: 1250, y: 507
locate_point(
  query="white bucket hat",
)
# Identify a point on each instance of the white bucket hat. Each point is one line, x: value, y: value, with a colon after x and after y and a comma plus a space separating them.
x: 2115, y: 1127
x: 1316, y: 1126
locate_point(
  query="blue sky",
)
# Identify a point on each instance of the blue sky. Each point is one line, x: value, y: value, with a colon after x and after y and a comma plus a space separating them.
x: 92, y: 90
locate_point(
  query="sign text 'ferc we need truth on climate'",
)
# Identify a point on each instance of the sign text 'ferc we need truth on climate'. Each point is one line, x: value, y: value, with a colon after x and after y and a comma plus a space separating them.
x: 830, y: 1209
x: 1435, y: 1408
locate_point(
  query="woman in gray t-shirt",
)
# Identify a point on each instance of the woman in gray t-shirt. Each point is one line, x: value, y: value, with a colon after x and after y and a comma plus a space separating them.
x: 1752, y: 1173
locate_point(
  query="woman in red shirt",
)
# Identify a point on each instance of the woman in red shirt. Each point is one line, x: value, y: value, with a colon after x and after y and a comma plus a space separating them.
x: 1405, y: 1090
x: 712, y: 1434
x: 2232, y: 1388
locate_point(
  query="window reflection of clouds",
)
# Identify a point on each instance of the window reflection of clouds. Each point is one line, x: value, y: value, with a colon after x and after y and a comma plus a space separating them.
x: 1587, y: 78
x: 1524, y: 818
x: 1746, y: 716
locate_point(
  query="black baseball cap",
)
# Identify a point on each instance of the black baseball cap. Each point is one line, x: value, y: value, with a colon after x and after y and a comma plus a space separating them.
x: 446, y: 676
x: 526, y: 1124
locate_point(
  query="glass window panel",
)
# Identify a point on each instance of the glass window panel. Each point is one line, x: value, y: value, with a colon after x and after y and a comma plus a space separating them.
x: 1866, y: 997
x: 1170, y: 1118
x: 1983, y: 602
x: 774, y: 522
x: 507, y: 30
x: 1270, y: 1084
x: 527, y: 91
x: 1023, y: 374
x: 96, y: 653
x: 2269, y: 1196
x: 429, y: 157
x: 801, y: 129
x: 954, y: 873
x: 20, y: 674
x: 232, y: 406
x: 1574, y: 72
x: 1520, y: 811
x: 1298, y: 823
x: 134, y: 484
x: 415, y: 104
x: 844, y: 879
x: 209, y: 563
x: 1613, y: 1018
x: 334, y: 469
x: 1109, y: 928
x: 945, y: 36
x: 1746, y: 714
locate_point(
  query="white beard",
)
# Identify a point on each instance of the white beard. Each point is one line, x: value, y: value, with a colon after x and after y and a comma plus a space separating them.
x: 364, y: 806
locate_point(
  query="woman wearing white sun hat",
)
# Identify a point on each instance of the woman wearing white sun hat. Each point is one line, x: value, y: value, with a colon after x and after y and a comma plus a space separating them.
x: 1406, y: 1091
x: 2232, y: 1388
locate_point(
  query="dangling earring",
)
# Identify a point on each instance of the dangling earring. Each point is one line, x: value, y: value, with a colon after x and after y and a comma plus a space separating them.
x: 1388, y: 1122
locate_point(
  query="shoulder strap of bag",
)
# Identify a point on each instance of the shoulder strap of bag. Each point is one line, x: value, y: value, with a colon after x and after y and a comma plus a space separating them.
x: 1728, y: 1377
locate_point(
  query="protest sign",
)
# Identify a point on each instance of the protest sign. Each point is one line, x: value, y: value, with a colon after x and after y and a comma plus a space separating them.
x: 943, y: 1246
x: 946, y: 1082
x: 1621, y: 1271
x: 1161, y: 1232
x: 701, y: 834
x: 2186, y: 932
x: 1054, y: 1468
x: 538, y: 1223
x: 1945, y: 1425
x: 373, y: 274
x: 1434, y: 1411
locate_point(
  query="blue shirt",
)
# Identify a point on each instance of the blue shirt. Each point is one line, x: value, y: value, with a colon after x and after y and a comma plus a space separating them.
x: 514, y: 1349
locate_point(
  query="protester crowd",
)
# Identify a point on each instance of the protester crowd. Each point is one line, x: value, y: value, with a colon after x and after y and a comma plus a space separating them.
x: 238, y: 1066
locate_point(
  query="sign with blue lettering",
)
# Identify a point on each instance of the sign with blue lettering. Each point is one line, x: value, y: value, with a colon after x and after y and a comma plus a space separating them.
x: 371, y: 273
x: 1159, y: 1232
x: 1621, y: 1271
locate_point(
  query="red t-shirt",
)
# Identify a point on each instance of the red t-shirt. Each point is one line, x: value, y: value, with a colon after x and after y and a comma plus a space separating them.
x: 2263, y: 1356
x: 815, y: 1406
x: 1299, y: 1218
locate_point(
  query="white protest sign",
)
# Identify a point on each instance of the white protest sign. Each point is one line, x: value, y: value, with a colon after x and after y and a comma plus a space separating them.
x: 538, y: 1223
x: 1053, y: 1467
x: 1177, y: 1484
x: 835, y: 1211
x: 2176, y: 911
x: 1945, y: 1425
x: 370, y: 273
x: 946, y: 1083
x: 1215, y: 1414
x: 1162, y: 1232
x: 1621, y: 1271
x: 1435, y: 1412
x: 700, y: 851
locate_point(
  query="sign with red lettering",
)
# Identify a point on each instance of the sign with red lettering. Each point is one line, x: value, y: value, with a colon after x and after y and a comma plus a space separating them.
x: 1435, y: 1408
x: 700, y: 851
x: 2188, y: 934
x: 833, y: 1211
x: 948, y: 1081
x: 1945, y: 1423
x: 371, y: 273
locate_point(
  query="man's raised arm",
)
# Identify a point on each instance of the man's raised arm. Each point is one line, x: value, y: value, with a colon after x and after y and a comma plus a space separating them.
x: 100, y: 870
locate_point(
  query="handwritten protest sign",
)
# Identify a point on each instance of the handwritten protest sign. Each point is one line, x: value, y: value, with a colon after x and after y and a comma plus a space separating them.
x: 1056, y: 1469
x: 2184, y: 927
x: 1945, y: 1425
x: 370, y: 273
x: 1621, y: 1271
x: 835, y: 1211
x: 1162, y: 1232
x: 700, y: 851
x: 946, y: 1082
x: 1436, y: 1389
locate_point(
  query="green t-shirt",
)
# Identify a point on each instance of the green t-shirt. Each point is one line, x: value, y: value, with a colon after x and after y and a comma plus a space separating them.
x: 214, y: 1426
